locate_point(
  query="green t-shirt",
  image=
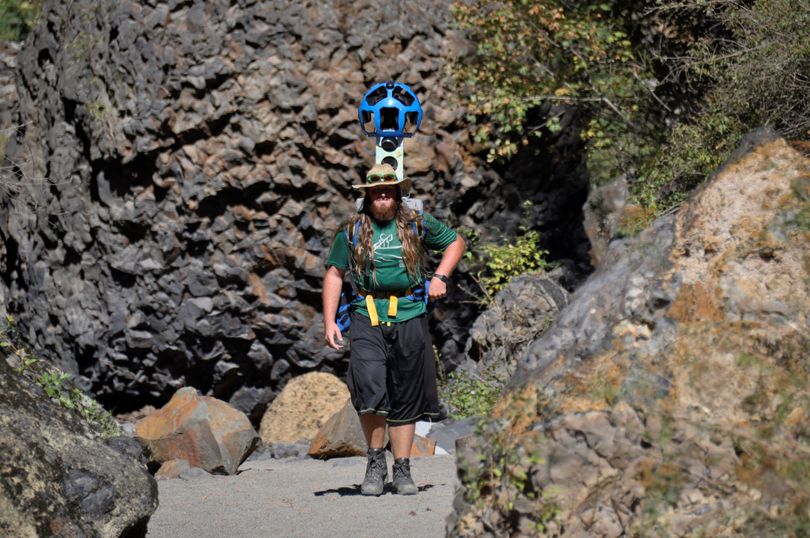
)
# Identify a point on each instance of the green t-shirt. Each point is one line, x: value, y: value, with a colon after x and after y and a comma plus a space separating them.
x: 391, y: 273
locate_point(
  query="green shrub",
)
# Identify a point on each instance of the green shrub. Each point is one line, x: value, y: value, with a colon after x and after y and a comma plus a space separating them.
x: 493, y: 264
x: 757, y: 61
x: 664, y: 89
x: 469, y: 394
x: 693, y: 152
x: 531, y: 56
x: 503, y: 262
x: 761, y: 68
x: 18, y: 17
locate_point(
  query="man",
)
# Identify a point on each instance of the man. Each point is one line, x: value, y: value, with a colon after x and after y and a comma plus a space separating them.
x: 392, y: 374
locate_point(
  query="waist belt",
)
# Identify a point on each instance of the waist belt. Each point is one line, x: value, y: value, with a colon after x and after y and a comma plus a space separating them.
x: 393, y: 300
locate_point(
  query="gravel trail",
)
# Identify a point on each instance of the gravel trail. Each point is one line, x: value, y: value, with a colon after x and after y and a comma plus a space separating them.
x: 304, y: 497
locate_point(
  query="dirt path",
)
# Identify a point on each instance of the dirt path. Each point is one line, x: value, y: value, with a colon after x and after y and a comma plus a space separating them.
x: 307, y: 498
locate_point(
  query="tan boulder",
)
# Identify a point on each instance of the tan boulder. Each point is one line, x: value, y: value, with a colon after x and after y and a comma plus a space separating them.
x: 206, y: 432
x: 341, y: 436
x: 302, y: 407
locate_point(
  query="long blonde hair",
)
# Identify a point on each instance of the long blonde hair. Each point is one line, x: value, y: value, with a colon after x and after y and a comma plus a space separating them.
x: 410, y: 228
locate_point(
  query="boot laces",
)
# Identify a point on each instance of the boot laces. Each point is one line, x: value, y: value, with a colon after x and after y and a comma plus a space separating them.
x: 376, y: 465
x: 402, y: 470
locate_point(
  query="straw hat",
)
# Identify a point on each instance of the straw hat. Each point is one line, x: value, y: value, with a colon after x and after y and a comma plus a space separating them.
x: 384, y: 174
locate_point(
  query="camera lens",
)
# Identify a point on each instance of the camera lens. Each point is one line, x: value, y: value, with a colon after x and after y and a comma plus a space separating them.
x: 388, y: 144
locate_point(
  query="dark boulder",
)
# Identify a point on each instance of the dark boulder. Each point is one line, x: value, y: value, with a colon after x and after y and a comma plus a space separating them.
x: 58, y: 477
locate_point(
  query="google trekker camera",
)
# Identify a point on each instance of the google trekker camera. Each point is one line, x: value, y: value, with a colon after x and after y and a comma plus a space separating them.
x: 390, y: 112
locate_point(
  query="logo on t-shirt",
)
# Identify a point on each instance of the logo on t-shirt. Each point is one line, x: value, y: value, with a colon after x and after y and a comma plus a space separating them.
x: 384, y: 241
x: 387, y: 250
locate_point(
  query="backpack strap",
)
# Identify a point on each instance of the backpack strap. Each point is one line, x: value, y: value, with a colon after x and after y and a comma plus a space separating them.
x: 419, y: 228
x: 356, y: 234
x: 352, y: 239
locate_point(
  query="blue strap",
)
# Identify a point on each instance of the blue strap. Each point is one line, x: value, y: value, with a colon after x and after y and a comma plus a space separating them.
x: 348, y: 297
x: 421, y: 294
x: 416, y: 230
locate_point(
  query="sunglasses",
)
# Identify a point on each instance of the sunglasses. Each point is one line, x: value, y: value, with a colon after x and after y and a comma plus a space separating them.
x: 379, y: 178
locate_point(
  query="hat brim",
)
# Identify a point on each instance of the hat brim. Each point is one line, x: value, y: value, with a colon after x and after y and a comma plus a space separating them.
x: 404, y: 182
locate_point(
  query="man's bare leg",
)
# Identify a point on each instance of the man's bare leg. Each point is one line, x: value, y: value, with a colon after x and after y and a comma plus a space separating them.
x: 401, y: 441
x: 374, y: 430
x: 377, y: 467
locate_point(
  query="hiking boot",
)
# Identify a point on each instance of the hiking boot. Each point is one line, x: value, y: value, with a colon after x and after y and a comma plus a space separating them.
x: 376, y: 472
x: 403, y: 483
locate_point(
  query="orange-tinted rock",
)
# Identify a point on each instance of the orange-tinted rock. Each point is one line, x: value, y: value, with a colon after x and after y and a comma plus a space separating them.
x: 422, y: 446
x: 202, y: 430
x: 172, y: 469
x: 682, y: 357
x: 179, y: 469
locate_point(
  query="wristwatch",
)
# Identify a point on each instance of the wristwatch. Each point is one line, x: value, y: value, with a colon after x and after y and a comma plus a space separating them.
x: 441, y: 277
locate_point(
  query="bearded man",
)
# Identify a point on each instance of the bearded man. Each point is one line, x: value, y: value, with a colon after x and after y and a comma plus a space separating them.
x: 392, y: 373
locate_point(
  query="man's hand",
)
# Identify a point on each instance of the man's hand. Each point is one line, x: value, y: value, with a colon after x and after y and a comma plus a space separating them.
x: 332, y: 282
x: 334, y: 338
x: 437, y: 290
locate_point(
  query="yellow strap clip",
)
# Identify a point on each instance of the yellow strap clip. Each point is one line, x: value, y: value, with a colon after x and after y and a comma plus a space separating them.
x: 392, y: 306
x: 372, y: 310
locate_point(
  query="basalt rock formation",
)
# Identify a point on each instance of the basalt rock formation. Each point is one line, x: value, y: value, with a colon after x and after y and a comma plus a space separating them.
x: 8, y: 90
x: 57, y: 478
x: 186, y: 164
x: 518, y: 315
x: 669, y: 398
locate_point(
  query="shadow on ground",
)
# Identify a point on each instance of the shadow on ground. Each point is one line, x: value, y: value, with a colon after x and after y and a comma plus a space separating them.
x: 355, y: 490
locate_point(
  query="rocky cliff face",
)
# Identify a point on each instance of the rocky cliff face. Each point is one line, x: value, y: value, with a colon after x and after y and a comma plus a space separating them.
x: 669, y: 397
x: 8, y: 90
x: 185, y: 165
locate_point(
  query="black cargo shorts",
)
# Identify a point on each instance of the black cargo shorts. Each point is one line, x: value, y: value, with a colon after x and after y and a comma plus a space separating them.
x: 392, y: 370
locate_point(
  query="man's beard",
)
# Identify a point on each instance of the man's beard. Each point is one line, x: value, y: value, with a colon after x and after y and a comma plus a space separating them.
x: 384, y: 210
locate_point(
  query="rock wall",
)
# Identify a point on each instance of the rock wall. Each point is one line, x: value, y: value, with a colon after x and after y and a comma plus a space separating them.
x: 185, y: 165
x: 8, y: 98
x: 669, y: 396
x: 8, y: 90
